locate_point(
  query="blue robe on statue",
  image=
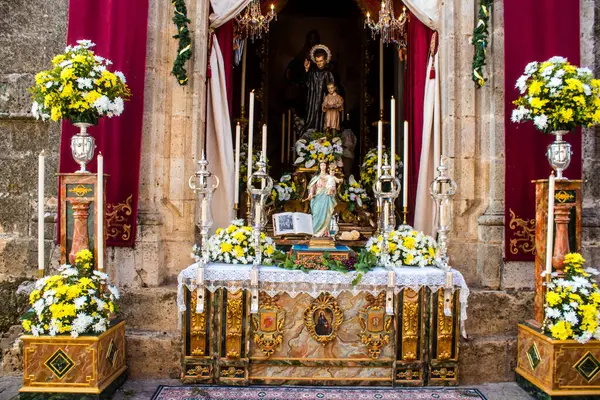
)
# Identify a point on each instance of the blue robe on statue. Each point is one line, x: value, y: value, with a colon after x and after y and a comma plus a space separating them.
x: 322, y: 204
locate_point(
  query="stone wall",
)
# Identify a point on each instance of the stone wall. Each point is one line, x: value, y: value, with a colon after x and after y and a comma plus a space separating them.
x: 473, y: 124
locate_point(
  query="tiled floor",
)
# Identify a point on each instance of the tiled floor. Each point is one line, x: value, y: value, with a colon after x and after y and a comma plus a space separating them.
x: 143, y: 389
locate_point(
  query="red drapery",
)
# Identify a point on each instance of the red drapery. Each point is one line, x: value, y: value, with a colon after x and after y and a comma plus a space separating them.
x: 119, y: 29
x: 224, y: 35
x: 534, y: 30
x: 419, y: 38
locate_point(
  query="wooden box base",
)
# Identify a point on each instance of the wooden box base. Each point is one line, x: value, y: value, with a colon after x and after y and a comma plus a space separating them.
x: 557, y: 367
x: 84, y: 365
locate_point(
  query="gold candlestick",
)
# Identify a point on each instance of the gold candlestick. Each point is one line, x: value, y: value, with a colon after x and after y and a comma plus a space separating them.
x: 405, y: 212
x: 236, y: 209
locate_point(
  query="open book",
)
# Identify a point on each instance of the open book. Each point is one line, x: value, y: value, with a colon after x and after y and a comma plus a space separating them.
x: 289, y: 223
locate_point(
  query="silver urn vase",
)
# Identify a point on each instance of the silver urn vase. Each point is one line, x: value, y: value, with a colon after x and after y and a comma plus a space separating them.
x: 82, y: 146
x: 559, y: 153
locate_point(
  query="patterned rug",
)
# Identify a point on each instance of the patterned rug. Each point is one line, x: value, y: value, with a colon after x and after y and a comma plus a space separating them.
x: 203, y: 392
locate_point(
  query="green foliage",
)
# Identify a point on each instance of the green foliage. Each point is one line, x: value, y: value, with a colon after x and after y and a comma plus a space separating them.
x: 480, y: 42
x: 184, y: 51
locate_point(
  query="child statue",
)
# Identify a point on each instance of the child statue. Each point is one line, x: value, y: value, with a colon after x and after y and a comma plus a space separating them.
x: 333, y: 105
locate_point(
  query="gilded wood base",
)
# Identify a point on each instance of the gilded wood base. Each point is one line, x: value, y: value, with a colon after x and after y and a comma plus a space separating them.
x: 558, y: 367
x: 62, y: 364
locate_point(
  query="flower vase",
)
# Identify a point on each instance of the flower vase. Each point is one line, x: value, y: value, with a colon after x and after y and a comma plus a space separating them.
x: 559, y: 153
x: 82, y: 146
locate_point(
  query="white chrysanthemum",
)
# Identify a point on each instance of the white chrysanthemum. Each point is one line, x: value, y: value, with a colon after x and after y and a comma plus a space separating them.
x: 555, y: 82
x: 114, y: 291
x: 540, y: 121
x: 557, y: 59
x: 80, y: 302
x: 121, y: 76
x: 584, y: 71
x: 102, y: 104
x: 584, y: 338
x: 100, y: 326
x: 531, y: 67
x: 547, y: 71
x: 552, y: 312
x: 100, y: 303
x: 117, y: 106
x: 39, y: 306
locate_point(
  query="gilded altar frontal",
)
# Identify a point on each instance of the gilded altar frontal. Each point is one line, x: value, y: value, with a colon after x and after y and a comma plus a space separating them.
x: 395, y: 197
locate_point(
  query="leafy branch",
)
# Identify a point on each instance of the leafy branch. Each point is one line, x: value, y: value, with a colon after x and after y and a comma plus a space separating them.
x: 480, y: 42
x: 184, y: 51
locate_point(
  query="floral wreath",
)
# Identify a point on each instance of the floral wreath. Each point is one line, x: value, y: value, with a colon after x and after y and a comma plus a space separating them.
x: 320, y: 47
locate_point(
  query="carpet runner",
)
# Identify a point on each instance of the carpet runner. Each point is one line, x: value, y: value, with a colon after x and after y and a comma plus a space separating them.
x: 204, y: 392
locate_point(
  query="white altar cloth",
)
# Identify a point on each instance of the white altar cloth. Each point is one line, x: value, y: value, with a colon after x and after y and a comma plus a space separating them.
x: 274, y: 280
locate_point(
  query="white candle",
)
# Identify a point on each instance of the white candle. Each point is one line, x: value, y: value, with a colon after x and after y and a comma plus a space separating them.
x: 550, y: 224
x: 405, y: 167
x: 100, y: 232
x: 41, y: 175
x: 204, y: 210
x: 393, y: 136
x: 379, y: 146
x: 386, y: 215
x: 243, y: 85
x: 250, y: 134
x: 264, y: 141
x: 381, y: 72
x: 236, y: 179
x: 282, y: 138
x: 257, y: 215
x: 443, y: 215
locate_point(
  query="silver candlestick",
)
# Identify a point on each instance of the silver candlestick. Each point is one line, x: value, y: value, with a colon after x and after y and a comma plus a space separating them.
x: 386, y: 190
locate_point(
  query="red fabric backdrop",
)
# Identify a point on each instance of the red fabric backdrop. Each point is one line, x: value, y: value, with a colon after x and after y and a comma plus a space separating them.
x: 224, y: 35
x: 534, y: 30
x: 119, y: 29
x: 419, y: 38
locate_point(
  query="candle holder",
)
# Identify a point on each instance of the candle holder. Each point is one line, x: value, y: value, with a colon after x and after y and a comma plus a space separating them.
x: 199, y: 183
x: 442, y: 189
x: 258, y: 196
x: 386, y: 190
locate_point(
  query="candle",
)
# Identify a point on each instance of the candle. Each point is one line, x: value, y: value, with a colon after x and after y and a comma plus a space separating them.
x: 289, y: 137
x: 236, y: 179
x: 257, y: 215
x: 264, y: 142
x: 100, y: 232
x: 204, y: 210
x: 393, y: 136
x: 282, y: 138
x: 386, y: 215
x: 41, y: 175
x: 243, y: 85
x: 250, y: 134
x: 550, y: 223
x: 444, y: 214
x: 379, y: 146
x: 405, y: 167
x: 381, y: 73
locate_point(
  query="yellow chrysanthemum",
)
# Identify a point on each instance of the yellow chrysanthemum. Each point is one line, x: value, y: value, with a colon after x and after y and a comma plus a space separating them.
x: 409, y: 242
x: 553, y: 298
x: 226, y: 247
x: 238, y: 251
x: 561, y: 330
x: 535, y: 88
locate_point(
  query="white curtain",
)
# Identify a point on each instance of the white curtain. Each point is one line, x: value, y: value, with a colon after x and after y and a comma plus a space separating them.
x: 430, y: 151
x: 219, y: 144
x: 428, y: 11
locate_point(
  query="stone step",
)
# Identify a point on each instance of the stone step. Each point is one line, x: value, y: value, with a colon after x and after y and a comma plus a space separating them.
x: 151, y: 309
x: 487, y: 359
x: 152, y: 354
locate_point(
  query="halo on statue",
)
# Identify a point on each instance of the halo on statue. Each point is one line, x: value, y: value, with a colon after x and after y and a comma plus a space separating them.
x: 320, y: 47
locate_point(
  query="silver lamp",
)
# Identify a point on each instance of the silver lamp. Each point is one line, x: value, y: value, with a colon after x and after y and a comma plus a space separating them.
x: 199, y: 183
x: 386, y: 190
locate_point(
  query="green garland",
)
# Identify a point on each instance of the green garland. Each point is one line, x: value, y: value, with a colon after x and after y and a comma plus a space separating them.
x: 184, y: 52
x: 480, y: 41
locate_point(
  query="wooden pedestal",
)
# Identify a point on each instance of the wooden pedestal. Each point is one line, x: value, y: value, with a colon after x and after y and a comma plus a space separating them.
x: 557, y: 367
x: 62, y: 364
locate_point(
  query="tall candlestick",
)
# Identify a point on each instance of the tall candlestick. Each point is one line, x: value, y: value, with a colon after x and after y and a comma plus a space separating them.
x: 381, y: 75
x: 264, y: 141
x: 379, y: 146
x: 100, y: 225
x: 550, y: 223
x: 41, y: 175
x: 250, y: 134
x: 243, y: 85
x: 289, y: 137
x: 238, y: 139
x: 393, y: 136
x: 282, y: 138
x: 405, y: 167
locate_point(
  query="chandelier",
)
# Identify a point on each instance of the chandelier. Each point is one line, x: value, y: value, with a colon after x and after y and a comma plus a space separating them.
x: 252, y: 24
x: 388, y: 27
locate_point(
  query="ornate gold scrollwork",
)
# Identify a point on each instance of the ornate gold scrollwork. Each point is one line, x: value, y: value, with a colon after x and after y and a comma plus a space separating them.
x: 80, y: 190
x: 444, y: 329
x: 323, y: 318
x: 375, y: 325
x: 443, y: 373
x: 408, y: 375
x: 268, y: 324
x: 116, y: 217
x: 198, y: 371
x: 523, y: 236
x: 233, y: 372
x: 410, y: 324
x: 233, y: 325
x: 563, y: 196
x: 197, y: 329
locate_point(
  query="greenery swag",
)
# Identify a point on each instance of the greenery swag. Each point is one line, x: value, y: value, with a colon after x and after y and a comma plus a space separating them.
x: 480, y: 41
x: 184, y: 51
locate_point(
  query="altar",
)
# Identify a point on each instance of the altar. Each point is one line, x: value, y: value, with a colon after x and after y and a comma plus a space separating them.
x: 322, y: 327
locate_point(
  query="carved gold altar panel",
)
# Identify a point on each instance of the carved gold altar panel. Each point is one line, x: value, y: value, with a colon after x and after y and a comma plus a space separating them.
x: 346, y: 339
x: 558, y: 367
x: 62, y: 364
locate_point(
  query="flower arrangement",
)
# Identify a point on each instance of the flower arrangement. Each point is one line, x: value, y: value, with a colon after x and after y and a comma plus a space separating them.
x: 79, y: 87
x: 78, y: 300
x: 284, y: 190
x: 406, y: 247
x: 354, y: 194
x: 321, y: 147
x: 573, y: 302
x: 234, y: 245
x: 556, y: 95
x: 368, y: 169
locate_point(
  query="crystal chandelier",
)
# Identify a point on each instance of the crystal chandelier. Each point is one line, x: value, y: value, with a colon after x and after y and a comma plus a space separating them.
x: 388, y: 27
x: 252, y: 24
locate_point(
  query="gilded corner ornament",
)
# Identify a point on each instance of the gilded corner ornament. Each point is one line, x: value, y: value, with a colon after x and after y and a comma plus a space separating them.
x: 523, y: 235
x: 323, y: 318
x: 117, y: 216
x: 375, y: 325
x: 268, y: 324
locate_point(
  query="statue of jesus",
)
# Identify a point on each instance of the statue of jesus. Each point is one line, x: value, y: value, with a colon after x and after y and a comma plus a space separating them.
x: 317, y: 77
